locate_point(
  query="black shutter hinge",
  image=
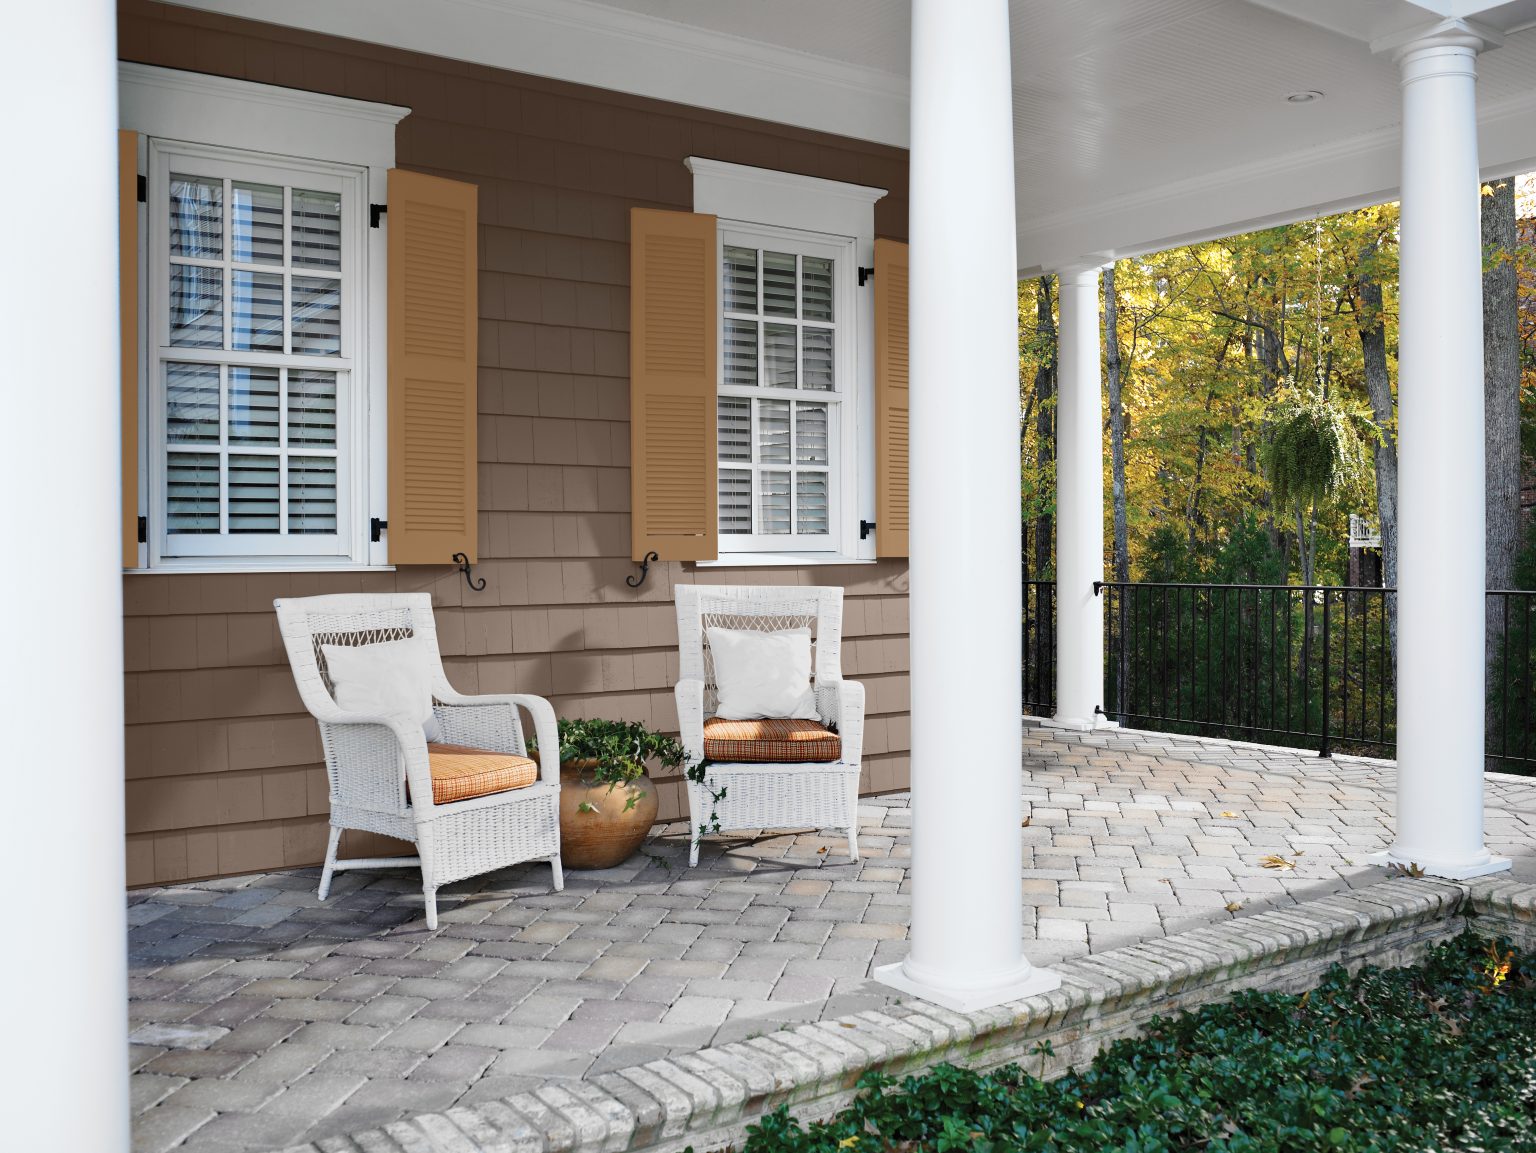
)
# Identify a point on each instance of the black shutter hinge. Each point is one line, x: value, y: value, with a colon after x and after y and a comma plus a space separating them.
x: 865, y: 276
x: 376, y: 212
x: 143, y: 530
x: 865, y: 528
x: 375, y: 528
x: 143, y: 189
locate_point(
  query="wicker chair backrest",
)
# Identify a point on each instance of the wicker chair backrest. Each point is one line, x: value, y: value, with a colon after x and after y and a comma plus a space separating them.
x: 759, y: 609
x: 350, y: 620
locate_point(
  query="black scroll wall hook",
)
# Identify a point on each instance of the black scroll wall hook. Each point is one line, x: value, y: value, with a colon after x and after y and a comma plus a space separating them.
x: 462, y: 561
x: 637, y: 580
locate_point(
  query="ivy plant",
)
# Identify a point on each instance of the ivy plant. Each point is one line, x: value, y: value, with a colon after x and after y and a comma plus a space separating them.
x: 616, y: 751
x: 1439, y: 1056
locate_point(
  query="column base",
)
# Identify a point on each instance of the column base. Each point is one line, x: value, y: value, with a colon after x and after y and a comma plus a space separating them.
x: 1073, y: 725
x: 1028, y: 982
x: 1447, y: 871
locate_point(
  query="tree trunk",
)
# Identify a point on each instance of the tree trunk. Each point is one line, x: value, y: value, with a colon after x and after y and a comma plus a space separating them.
x: 1378, y: 386
x: 1304, y: 543
x: 1501, y: 401
x: 1045, y: 425
x: 1122, y: 556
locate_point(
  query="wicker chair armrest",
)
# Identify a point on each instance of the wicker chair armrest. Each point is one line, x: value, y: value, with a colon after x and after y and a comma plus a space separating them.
x: 690, y: 717
x: 545, y: 728
x: 841, y: 703
x: 408, y: 736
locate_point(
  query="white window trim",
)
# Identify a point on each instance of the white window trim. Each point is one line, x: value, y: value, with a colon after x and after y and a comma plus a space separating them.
x: 760, y: 199
x: 349, y: 542
x: 195, y: 109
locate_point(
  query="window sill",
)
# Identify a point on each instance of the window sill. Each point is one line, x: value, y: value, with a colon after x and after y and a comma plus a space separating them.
x: 203, y: 569
x: 781, y: 560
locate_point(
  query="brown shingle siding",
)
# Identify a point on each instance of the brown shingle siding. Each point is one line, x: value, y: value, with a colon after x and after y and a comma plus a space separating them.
x: 223, y: 766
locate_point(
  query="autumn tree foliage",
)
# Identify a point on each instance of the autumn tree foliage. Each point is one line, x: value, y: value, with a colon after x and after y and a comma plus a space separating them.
x: 1233, y: 357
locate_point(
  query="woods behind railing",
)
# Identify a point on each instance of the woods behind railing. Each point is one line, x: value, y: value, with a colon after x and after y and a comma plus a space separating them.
x: 1303, y: 666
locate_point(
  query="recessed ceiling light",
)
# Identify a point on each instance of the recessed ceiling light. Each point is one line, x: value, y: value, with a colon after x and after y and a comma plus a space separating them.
x: 1308, y: 97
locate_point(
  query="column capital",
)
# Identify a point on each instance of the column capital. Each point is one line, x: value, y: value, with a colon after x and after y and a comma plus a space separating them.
x: 1468, y: 36
x: 1082, y: 271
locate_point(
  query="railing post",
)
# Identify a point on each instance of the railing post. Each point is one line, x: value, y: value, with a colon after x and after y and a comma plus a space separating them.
x: 1326, y: 750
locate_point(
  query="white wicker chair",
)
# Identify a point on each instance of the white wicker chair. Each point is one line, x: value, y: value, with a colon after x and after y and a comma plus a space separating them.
x: 370, y: 760
x: 775, y: 795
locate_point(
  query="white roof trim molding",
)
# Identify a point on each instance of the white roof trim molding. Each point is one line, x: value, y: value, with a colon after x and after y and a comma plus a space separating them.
x: 783, y: 199
x: 205, y: 109
x: 607, y: 47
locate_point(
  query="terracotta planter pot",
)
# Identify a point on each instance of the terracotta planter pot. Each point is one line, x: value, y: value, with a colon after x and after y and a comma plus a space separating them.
x: 599, y: 828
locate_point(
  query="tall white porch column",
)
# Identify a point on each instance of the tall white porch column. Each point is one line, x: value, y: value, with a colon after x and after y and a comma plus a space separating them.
x: 1079, y: 503
x: 63, y: 977
x: 967, y: 928
x: 1440, y: 600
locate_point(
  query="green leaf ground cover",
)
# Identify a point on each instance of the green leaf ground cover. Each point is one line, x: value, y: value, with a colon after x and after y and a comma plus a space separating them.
x: 1440, y: 1056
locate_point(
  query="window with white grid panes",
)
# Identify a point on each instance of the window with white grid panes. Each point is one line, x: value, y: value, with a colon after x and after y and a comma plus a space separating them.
x: 253, y: 276
x: 783, y: 391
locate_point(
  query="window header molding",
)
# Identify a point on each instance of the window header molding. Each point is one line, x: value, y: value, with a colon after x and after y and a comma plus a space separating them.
x: 783, y: 199
x: 191, y: 106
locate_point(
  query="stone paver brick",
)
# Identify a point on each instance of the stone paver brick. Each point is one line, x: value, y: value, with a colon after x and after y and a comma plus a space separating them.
x: 249, y: 992
x: 456, y: 1064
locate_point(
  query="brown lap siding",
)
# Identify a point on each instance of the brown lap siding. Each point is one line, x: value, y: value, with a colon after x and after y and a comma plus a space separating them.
x: 223, y: 765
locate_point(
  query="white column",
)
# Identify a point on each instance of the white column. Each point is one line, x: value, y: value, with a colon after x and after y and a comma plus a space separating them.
x: 1079, y: 503
x: 1440, y: 600
x: 63, y: 979
x: 967, y: 928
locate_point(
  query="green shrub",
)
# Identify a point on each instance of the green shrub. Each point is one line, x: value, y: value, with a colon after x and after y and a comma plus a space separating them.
x: 1441, y: 1057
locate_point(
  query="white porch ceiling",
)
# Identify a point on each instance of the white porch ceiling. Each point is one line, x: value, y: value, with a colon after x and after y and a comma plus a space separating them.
x: 1137, y: 123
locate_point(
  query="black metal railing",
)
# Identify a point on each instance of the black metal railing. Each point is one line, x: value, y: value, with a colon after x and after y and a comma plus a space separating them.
x: 1294, y: 665
x: 1511, y: 730
x: 1039, y: 646
x: 1305, y: 666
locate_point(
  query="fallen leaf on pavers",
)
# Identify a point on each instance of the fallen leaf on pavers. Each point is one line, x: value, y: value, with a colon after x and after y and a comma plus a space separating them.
x: 1024, y: 824
x: 1276, y: 862
x: 821, y: 851
x: 1235, y: 906
x: 1299, y: 853
x: 1166, y: 880
x: 847, y: 1024
x: 1230, y: 815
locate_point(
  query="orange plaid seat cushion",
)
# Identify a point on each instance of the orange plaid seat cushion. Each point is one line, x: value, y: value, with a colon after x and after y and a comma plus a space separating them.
x: 770, y: 741
x: 460, y: 772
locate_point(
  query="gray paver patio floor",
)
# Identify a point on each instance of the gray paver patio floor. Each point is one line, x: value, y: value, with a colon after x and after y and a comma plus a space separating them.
x: 261, y: 1016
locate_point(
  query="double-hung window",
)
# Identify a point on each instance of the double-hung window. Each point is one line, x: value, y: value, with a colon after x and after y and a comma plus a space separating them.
x: 768, y: 376
x: 254, y: 273
x: 254, y: 324
x: 784, y: 400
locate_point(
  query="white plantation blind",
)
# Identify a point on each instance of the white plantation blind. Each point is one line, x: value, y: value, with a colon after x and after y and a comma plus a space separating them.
x: 253, y: 278
x: 782, y: 392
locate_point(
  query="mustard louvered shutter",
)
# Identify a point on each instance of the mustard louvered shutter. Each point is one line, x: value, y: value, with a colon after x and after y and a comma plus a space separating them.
x: 672, y: 352
x: 891, y: 398
x: 433, y: 331
x: 128, y: 320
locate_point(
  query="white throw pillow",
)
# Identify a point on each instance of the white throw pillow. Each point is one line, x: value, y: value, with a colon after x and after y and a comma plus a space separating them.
x: 763, y: 675
x: 389, y: 679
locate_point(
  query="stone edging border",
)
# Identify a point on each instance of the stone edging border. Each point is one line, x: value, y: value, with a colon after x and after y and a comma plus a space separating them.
x: 707, y: 1098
